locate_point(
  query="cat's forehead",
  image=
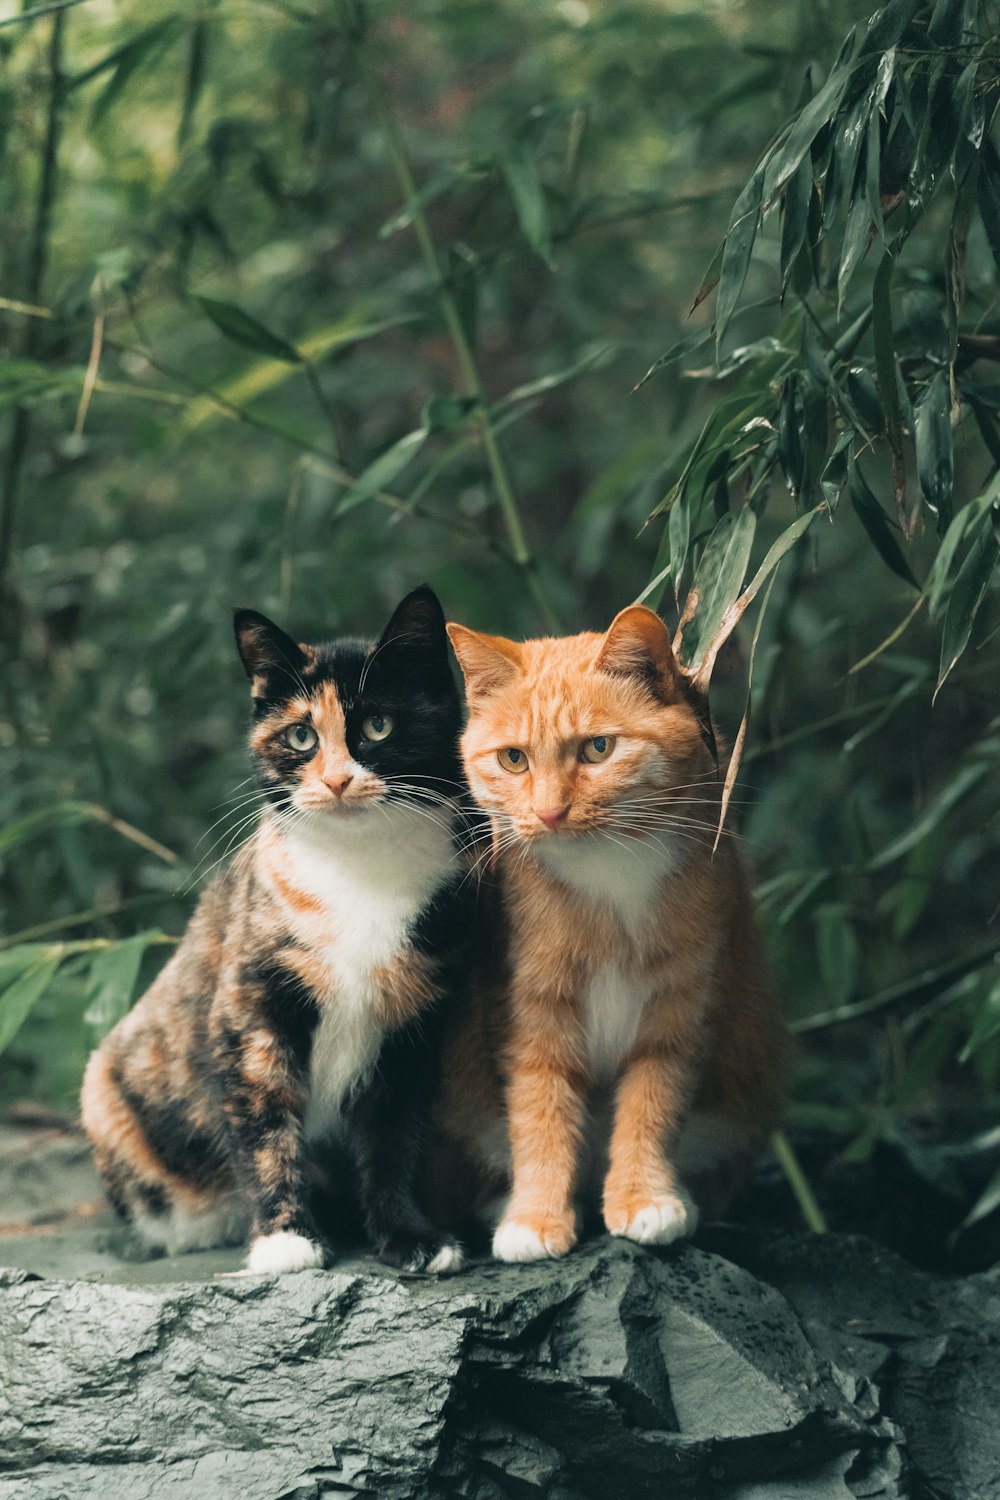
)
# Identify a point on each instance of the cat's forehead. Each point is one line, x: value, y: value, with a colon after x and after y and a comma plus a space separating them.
x: 340, y: 665
x: 561, y: 703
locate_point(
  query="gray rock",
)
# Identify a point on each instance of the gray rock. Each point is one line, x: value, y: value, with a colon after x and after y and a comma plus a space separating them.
x: 788, y: 1368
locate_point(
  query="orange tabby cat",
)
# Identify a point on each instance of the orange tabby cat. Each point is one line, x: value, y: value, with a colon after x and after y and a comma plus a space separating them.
x: 643, y: 1045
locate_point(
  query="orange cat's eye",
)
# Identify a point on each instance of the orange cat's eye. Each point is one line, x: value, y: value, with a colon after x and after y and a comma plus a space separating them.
x: 513, y: 760
x: 597, y: 749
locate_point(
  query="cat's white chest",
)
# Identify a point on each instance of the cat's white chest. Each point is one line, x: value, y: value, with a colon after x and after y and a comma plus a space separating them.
x: 624, y: 879
x: 612, y: 1004
x: 372, y: 886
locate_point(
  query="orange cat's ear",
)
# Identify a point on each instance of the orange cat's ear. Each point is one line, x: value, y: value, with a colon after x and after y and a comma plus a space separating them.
x: 637, y: 645
x: 488, y: 662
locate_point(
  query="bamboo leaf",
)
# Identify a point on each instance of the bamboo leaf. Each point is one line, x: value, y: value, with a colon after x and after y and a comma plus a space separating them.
x: 676, y: 351
x: 717, y: 582
x: 19, y: 999
x: 933, y: 440
x: 242, y: 328
x: 857, y: 237
x: 985, y: 1026
x: 886, y: 373
x: 988, y: 189
x: 987, y: 1203
x: 967, y: 778
x: 970, y: 519
x: 194, y: 78
x: 810, y: 121
x: 268, y: 374
x: 738, y: 249
x: 518, y: 166
x: 735, y: 759
x: 837, y: 953
x: 114, y: 973
x: 382, y: 472
x: 555, y: 378
x: 710, y: 280
x: 795, y: 218
x: 445, y: 413
x: 875, y: 521
x: 966, y: 596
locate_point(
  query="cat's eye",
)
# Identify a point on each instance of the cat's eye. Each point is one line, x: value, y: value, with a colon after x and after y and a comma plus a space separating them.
x: 377, y: 727
x: 513, y: 760
x: 301, y: 737
x: 597, y: 749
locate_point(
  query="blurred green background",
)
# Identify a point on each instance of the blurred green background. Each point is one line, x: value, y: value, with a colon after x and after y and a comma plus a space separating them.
x: 250, y: 249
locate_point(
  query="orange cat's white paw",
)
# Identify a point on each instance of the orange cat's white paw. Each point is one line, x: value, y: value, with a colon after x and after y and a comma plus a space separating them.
x: 515, y: 1240
x: 657, y: 1221
x: 277, y: 1254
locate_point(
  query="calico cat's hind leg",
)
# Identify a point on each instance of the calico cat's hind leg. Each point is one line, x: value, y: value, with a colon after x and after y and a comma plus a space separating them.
x: 166, y: 1212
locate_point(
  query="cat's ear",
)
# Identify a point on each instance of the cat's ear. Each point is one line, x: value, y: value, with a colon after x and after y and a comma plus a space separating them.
x: 272, y: 660
x: 417, y: 620
x: 417, y: 626
x: 637, y: 645
x: 488, y: 662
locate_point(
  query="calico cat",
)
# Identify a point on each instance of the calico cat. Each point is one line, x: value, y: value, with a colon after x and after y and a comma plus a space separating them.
x: 296, y: 1026
x: 640, y: 1053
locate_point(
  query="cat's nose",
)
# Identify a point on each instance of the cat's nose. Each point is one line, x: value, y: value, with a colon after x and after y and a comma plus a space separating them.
x: 554, y: 816
x: 339, y: 783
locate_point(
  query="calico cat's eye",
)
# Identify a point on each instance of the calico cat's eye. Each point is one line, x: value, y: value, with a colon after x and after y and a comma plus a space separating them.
x: 513, y: 760
x: 597, y: 749
x: 377, y: 727
x: 300, y: 737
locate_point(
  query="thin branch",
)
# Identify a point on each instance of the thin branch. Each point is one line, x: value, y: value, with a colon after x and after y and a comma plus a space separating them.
x: 54, y: 8
x: 930, y: 982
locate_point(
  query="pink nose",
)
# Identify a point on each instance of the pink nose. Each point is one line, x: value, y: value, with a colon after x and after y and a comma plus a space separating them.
x: 554, y: 816
x: 338, y: 784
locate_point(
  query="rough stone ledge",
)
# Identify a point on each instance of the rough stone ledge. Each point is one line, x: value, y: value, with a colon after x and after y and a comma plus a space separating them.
x: 780, y: 1369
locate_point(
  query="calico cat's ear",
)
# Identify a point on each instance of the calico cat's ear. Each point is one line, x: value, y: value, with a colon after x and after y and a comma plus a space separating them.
x: 488, y: 662
x: 419, y: 620
x: 637, y: 645
x: 272, y: 660
x: 417, y: 625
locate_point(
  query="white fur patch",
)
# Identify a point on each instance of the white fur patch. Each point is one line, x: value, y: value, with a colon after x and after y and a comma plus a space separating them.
x: 277, y: 1254
x: 518, y: 1242
x: 662, y: 1221
x: 179, y: 1230
x: 449, y: 1259
x: 374, y: 871
x: 624, y: 875
x: 612, y: 1004
x: 706, y: 1141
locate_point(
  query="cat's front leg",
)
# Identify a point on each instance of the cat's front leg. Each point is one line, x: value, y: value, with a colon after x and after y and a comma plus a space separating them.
x: 389, y: 1123
x: 545, y: 1105
x: 264, y: 1099
x: 643, y: 1200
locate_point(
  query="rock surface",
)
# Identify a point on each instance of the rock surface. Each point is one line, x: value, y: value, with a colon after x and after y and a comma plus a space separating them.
x: 749, y: 1367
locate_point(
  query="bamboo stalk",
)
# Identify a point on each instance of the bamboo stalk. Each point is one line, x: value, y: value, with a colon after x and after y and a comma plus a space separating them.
x: 37, y: 264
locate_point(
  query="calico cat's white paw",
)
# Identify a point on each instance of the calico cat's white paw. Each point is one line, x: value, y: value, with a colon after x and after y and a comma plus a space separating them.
x: 516, y: 1241
x: 659, y: 1221
x: 277, y: 1254
x: 449, y: 1259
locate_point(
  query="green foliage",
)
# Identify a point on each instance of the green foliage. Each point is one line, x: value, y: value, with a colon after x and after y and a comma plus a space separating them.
x: 301, y: 304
